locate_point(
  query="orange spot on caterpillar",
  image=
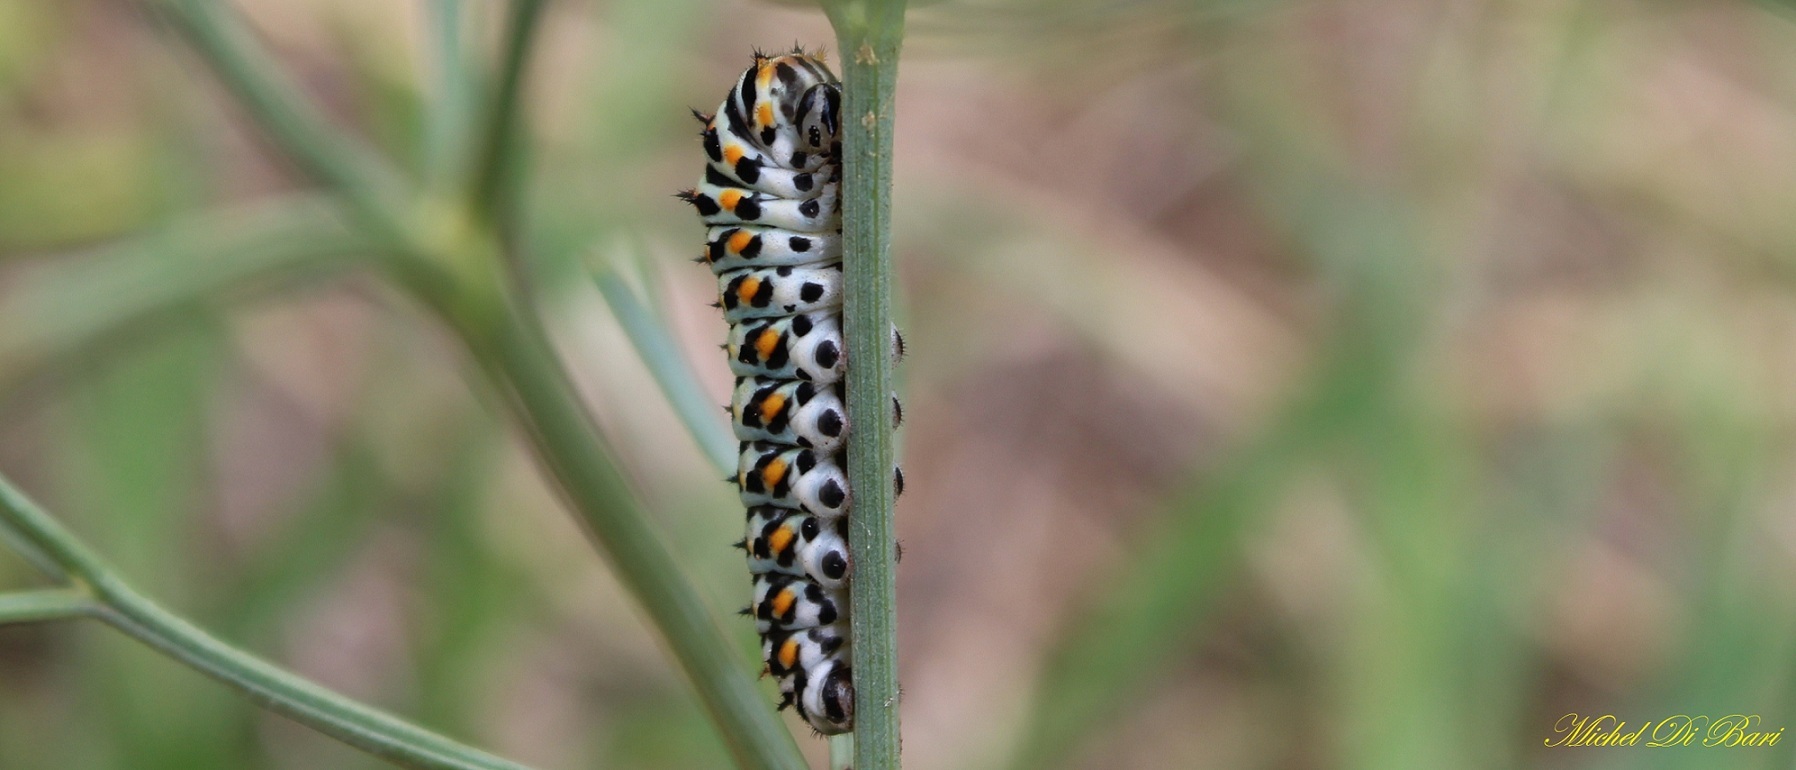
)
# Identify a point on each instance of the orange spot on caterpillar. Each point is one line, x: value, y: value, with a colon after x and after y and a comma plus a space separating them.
x: 783, y: 601
x: 766, y: 343
x: 771, y: 406
x: 729, y: 199
x: 745, y: 291
x: 780, y: 540
x: 788, y: 653
x: 774, y: 472
x: 732, y: 153
x: 740, y: 241
x: 764, y: 114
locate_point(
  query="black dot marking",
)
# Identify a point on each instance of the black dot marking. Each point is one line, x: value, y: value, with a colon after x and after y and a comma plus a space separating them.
x: 713, y: 147
x: 799, y: 159
x: 763, y: 295
x: 715, y: 177
x: 827, y: 354
x: 803, y: 182
x: 732, y: 118
x: 782, y: 355
x: 832, y: 110
x: 791, y: 308
x: 784, y: 270
x: 805, y: 461
x: 746, y: 90
x: 788, y: 79
x: 768, y: 135
x: 830, y: 423
x: 748, y: 209
x: 808, y: 208
x: 801, y: 325
x: 809, y: 528
x: 826, y: 613
x: 717, y: 249
x: 834, y: 566
x: 811, y: 292
x: 753, y: 249
x: 749, y: 170
x: 804, y: 393
x: 799, y: 243
x: 831, y: 494
x: 705, y: 206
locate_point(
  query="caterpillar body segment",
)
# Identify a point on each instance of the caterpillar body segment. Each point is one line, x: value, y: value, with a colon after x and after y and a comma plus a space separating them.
x: 791, y: 602
x: 722, y: 204
x: 770, y: 292
x: 792, y: 542
x: 793, y: 412
x: 733, y: 247
x: 769, y: 473
x: 805, y: 346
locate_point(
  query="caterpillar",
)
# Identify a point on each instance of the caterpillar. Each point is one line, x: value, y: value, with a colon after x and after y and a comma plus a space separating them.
x: 769, y: 200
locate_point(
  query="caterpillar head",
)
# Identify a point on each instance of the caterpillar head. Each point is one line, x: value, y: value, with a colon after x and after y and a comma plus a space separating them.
x: 819, y: 112
x: 827, y: 702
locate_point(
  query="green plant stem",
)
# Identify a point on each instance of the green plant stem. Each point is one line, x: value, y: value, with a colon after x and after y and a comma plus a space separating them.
x: 43, y: 605
x: 116, y: 603
x: 497, y: 169
x: 450, y: 112
x: 841, y: 752
x: 671, y: 371
x: 364, y: 178
x: 869, y: 34
x: 514, y: 351
x: 115, y: 290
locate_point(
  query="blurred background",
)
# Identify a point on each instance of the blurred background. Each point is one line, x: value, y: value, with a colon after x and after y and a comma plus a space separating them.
x: 1292, y: 384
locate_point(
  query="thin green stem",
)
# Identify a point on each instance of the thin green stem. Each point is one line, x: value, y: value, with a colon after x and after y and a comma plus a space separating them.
x: 518, y: 359
x: 120, y: 606
x: 114, y: 291
x: 43, y: 605
x: 869, y: 34
x: 841, y: 752
x: 363, y: 177
x: 447, y: 123
x: 498, y: 167
x: 671, y: 371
